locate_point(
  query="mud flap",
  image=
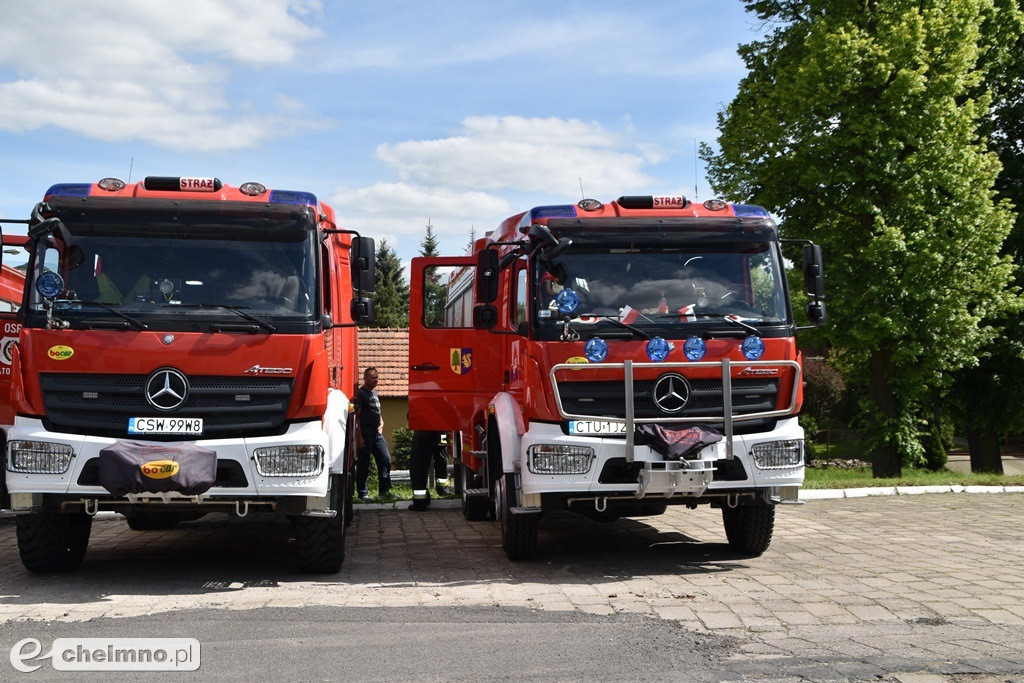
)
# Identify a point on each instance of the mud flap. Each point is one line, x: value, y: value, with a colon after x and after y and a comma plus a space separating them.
x: 137, y: 467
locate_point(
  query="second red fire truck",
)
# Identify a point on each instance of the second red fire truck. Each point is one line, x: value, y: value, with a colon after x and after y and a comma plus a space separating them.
x: 614, y: 359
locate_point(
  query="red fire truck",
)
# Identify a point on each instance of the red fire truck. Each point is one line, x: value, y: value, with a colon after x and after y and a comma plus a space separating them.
x: 186, y: 347
x: 614, y: 359
x: 12, y: 286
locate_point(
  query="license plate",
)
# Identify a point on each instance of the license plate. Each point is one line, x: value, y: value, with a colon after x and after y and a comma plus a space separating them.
x: 165, y: 425
x: 594, y: 427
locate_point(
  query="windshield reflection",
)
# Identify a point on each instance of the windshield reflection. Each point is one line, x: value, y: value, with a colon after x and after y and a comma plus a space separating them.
x: 270, y: 272
x: 656, y: 286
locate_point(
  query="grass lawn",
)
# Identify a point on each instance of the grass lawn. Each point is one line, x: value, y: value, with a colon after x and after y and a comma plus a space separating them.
x: 831, y: 478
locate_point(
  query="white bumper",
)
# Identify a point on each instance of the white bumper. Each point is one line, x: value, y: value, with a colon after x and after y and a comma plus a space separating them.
x: 606, y: 449
x: 239, y: 450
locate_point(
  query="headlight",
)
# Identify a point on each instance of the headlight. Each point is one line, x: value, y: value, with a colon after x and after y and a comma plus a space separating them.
x: 772, y: 455
x: 289, y: 461
x: 552, y: 459
x: 39, y: 457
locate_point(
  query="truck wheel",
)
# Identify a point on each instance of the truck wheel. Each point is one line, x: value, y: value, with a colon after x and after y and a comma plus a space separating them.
x: 518, y: 532
x: 51, y: 541
x: 474, y: 508
x: 749, y: 527
x: 320, y: 541
x: 154, y: 520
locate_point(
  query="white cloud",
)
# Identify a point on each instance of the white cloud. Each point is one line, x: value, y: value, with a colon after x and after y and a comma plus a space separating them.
x: 399, y: 213
x: 494, y: 167
x: 533, y: 155
x: 155, y: 72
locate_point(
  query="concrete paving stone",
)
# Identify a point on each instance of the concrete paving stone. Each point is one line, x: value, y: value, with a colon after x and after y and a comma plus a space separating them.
x: 999, y: 616
x: 719, y: 620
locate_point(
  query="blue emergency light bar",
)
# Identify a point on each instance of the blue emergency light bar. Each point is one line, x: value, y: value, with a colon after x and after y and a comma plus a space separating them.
x: 555, y: 211
x: 69, y: 190
x: 749, y: 211
x: 292, y: 197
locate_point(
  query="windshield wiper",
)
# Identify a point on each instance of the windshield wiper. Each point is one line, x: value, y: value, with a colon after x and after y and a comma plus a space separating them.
x: 234, y: 309
x: 110, y: 309
x: 618, y: 323
x: 734, y: 319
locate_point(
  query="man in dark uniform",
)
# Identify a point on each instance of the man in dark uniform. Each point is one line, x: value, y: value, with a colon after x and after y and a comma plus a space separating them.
x: 370, y: 438
x: 427, y: 451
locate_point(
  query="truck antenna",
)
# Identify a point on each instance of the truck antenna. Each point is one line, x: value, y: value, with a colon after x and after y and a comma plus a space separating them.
x: 131, y: 167
x: 695, y: 168
x: 582, y: 195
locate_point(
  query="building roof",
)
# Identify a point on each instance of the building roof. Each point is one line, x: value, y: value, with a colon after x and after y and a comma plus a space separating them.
x: 387, y: 349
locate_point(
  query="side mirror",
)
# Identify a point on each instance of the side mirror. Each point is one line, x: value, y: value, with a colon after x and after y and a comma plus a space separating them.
x: 486, y: 277
x: 47, y: 226
x: 816, y: 313
x: 540, y: 238
x: 485, y: 317
x: 814, y: 274
x: 558, y: 249
x: 363, y: 310
x: 364, y: 266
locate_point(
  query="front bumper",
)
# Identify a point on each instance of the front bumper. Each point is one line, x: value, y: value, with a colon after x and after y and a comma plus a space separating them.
x: 233, y: 455
x: 615, y: 463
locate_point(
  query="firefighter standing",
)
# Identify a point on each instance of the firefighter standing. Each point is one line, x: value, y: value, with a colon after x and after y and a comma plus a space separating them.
x: 427, y: 450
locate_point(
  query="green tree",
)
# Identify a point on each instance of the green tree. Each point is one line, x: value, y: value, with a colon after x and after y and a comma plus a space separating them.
x: 858, y: 124
x: 988, y: 400
x: 391, y: 291
x: 434, y: 292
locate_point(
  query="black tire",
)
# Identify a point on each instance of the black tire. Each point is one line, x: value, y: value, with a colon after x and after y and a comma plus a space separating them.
x: 518, y: 532
x: 154, y: 520
x: 320, y: 541
x: 474, y: 508
x: 749, y: 527
x: 51, y: 542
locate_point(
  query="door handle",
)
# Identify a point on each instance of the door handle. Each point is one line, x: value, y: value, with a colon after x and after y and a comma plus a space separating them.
x: 426, y: 366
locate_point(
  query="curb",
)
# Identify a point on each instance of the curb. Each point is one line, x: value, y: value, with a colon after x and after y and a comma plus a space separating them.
x: 831, y: 494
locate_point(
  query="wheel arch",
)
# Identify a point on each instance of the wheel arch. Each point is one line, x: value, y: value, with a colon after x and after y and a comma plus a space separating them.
x: 506, y: 419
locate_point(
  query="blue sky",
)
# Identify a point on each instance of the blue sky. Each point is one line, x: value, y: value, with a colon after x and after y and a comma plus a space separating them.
x: 396, y: 113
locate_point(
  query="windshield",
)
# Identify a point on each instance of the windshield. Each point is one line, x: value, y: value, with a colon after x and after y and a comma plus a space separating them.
x: 177, y: 273
x: 667, y: 286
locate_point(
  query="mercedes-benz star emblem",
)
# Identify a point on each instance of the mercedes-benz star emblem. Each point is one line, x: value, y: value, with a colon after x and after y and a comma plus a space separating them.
x: 671, y: 393
x: 166, y: 389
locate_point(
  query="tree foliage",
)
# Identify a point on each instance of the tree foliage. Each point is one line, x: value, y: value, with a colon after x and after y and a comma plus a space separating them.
x: 434, y: 291
x: 391, y: 291
x: 858, y: 123
x: 988, y: 400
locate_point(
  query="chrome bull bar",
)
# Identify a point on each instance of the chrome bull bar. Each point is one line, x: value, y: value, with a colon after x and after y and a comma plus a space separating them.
x: 726, y: 419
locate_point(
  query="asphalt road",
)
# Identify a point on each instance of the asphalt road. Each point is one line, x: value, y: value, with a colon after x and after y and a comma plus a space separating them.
x: 912, y: 588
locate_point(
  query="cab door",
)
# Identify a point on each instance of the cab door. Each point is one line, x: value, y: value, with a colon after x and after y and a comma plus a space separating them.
x: 12, y: 284
x: 454, y: 370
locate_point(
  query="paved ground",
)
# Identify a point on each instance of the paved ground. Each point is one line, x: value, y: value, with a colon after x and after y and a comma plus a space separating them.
x: 913, y: 588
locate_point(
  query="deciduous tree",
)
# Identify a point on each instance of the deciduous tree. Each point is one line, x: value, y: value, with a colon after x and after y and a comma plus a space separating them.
x: 858, y: 124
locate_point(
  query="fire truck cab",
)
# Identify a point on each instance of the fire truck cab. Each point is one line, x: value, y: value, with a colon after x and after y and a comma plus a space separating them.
x: 185, y: 347
x: 614, y: 359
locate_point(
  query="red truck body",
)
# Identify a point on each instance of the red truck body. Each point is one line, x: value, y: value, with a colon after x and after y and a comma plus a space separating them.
x: 182, y: 315
x: 575, y: 331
